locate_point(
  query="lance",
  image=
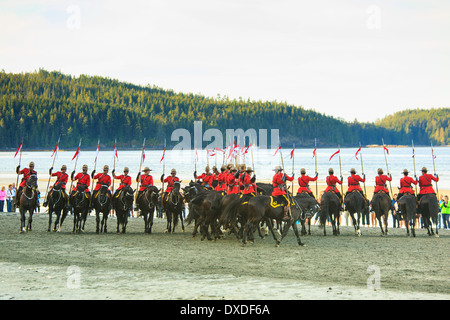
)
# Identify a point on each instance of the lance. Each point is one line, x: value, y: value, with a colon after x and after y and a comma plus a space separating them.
x: 55, y: 153
x: 114, y: 164
x: 387, y: 166
x: 362, y: 167
x: 75, y: 166
x: 340, y: 168
x: 434, y: 168
x: 315, y: 160
x: 414, y: 162
x: 164, y: 163
x: 293, y: 153
x: 20, y: 160
x: 95, y: 167
x: 140, y: 166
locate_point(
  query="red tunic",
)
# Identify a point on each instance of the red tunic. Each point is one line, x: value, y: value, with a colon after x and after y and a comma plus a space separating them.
x: 303, y: 182
x: 331, y: 183
x: 233, y: 184
x: 353, y: 182
x: 406, y: 185
x: 249, y: 187
x: 380, y: 183
x: 61, y: 179
x: 425, y: 183
x: 221, y: 179
x: 145, y: 182
x: 26, y: 174
x: 170, y: 182
x: 124, y: 180
x: 83, y: 178
x: 102, y: 179
x: 279, y: 185
x: 207, y: 179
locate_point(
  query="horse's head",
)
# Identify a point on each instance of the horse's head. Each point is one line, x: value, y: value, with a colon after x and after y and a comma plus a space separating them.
x: 32, y: 182
x: 127, y: 197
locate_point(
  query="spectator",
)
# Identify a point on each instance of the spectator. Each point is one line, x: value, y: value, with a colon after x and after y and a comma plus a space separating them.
x: 394, y: 211
x: 445, y: 210
x: 9, y: 198
x: 441, y: 200
x: 13, y: 192
x: 2, y: 198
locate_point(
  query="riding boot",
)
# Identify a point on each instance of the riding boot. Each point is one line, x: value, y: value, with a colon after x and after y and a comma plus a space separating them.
x: 286, y: 215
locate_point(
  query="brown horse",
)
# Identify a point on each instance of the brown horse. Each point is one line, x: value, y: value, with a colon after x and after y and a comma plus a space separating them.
x: 28, y: 202
x: 407, y: 205
x: 381, y: 205
x: 330, y: 207
x: 147, y: 202
x: 101, y: 201
x: 57, y: 203
x: 429, y: 208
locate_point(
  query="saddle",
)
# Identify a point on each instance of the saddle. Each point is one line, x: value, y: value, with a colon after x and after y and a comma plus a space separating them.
x: 275, y: 202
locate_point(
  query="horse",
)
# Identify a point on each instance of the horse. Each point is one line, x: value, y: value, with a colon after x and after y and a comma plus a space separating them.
x: 330, y: 207
x: 57, y: 203
x: 122, y: 203
x: 147, y: 203
x: 264, y: 188
x: 407, y: 206
x: 101, y: 202
x: 174, y: 204
x: 429, y: 208
x: 355, y: 203
x: 381, y: 204
x: 311, y: 207
x: 261, y: 208
x: 79, y: 200
x: 204, y: 209
x: 28, y: 202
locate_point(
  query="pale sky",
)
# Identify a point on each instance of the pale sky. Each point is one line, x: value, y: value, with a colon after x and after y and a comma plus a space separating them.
x: 348, y: 59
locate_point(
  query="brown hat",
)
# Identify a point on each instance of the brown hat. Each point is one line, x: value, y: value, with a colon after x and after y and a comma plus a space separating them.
x: 380, y: 171
x: 405, y: 172
x: 249, y: 169
x: 146, y: 169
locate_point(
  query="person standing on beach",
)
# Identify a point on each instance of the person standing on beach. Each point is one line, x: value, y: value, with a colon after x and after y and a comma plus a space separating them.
x: 445, y: 210
x: 9, y: 198
x: 2, y: 198
x: 26, y: 172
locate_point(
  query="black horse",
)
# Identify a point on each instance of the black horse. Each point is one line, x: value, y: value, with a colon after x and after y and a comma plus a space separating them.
x: 407, y: 206
x: 429, y: 208
x: 330, y: 207
x: 148, y: 201
x: 310, y: 208
x: 122, y: 204
x: 28, y: 202
x: 381, y: 205
x: 101, y: 201
x: 174, y: 208
x: 79, y: 200
x: 355, y: 203
x: 57, y: 203
x: 261, y: 208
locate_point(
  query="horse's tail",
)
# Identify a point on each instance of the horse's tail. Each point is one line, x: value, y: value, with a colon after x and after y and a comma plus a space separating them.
x: 376, y: 203
x: 324, y: 211
x: 229, y: 213
x: 193, y: 213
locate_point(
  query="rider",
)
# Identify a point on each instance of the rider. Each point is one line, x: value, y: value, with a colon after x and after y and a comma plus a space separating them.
x: 146, y: 181
x: 221, y: 180
x: 233, y: 182
x: 279, y: 189
x: 249, y: 184
x: 125, y: 180
x: 26, y: 172
x: 303, y: 182
x: 207, y: 178
x: 170, y: 182
x: 61, y: 180
x: 425, y: 183
x: 83, y: 178
x: 406, y: 184
x: 331, y: 184
x: 354, y: 180
x: 103, y: 179
x: 380, y: 182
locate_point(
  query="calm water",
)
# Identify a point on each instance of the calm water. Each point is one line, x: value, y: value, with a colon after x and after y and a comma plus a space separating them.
x: 264, y: 162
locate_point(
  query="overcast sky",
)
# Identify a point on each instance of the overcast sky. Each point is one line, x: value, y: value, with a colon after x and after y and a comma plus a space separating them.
x: 349, y: 59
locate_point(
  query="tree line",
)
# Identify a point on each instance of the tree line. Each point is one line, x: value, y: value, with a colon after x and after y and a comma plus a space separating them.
x: 39, y: 106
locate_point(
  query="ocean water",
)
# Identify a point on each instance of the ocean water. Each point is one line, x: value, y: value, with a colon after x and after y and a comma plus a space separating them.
x: 264, y: 161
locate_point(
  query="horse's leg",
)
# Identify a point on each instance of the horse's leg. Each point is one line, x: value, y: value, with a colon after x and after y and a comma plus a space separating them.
x: 145, y: 214
x: 30, y: 218
x: 386, y: 222
x: 50, y: 213
x: 309, y: 226
x: 64, y: 215
x: 182, y: 223
x: 118, y: 215
x: 299, y: 241
x: 58, y: 219
x: 381, y: 225
x: 97, y: 221
x: 413, y: 225
x: 22, y: 220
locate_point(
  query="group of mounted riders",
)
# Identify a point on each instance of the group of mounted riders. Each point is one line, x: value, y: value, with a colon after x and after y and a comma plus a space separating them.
x: 234, y: 180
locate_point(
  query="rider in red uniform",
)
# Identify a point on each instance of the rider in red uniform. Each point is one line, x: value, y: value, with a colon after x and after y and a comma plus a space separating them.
x: 303, y: 182
x: 83, y: 178
x: 332, y: 180
x: 207, y: 178
x: 61, y: 180
x: 425, y: 183
x: 380, y: 182
x: 146, y: 180
x: 170, y: 182
x: 26, y: 172
x: 232, y: 181
x: 279, y: 189
x: 125, y: 180
x: 406, y: 184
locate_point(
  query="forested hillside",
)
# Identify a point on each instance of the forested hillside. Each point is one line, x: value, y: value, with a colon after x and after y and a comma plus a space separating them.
x: 39, y: 106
